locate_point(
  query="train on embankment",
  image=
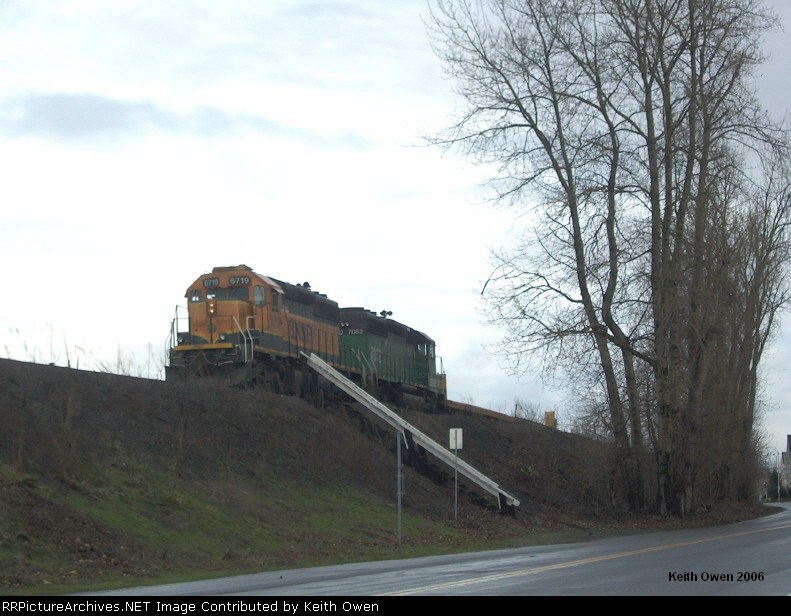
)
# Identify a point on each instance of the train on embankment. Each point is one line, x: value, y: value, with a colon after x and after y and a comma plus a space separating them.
x: 248, y: 328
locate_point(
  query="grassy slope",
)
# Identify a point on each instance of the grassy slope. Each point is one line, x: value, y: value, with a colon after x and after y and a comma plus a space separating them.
x: 111, y: 481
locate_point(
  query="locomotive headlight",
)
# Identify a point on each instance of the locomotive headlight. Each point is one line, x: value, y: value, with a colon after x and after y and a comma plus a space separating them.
x: 211, y: 308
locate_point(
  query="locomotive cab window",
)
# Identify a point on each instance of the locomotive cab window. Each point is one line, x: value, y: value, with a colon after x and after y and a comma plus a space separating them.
x: 196, y: 296
x: 259, y: 296
x: 234, y: 293
x: 238, y: 293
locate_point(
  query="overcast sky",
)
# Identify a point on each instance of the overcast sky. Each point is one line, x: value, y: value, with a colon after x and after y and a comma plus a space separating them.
x: 143, y: 143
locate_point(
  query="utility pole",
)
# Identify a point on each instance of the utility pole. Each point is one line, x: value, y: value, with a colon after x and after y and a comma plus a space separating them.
x: 779, y: 454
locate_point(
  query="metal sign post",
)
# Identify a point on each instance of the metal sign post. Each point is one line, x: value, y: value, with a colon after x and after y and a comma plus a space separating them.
x: 399, y: 483
x: 455, y: 445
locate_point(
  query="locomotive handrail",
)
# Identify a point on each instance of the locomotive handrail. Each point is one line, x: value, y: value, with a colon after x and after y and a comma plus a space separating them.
x: 363, y: 361
x: 244, y: 337
x: 250, y: 335
x: 174, y: 327
x: 402, y: 425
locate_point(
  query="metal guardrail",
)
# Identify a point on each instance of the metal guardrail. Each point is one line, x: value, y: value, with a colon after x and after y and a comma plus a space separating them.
x: 397, y: 422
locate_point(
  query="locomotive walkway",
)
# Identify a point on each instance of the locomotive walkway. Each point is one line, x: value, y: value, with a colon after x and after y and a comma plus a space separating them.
x: 504, y: 499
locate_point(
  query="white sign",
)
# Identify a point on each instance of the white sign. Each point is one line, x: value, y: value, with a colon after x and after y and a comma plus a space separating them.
x: 455, y: 438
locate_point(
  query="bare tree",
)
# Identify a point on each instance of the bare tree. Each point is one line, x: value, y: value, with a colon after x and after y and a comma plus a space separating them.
x: 625, y: 125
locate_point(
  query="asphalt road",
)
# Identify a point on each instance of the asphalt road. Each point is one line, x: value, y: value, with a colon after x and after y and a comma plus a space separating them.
x: 751, y: 558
